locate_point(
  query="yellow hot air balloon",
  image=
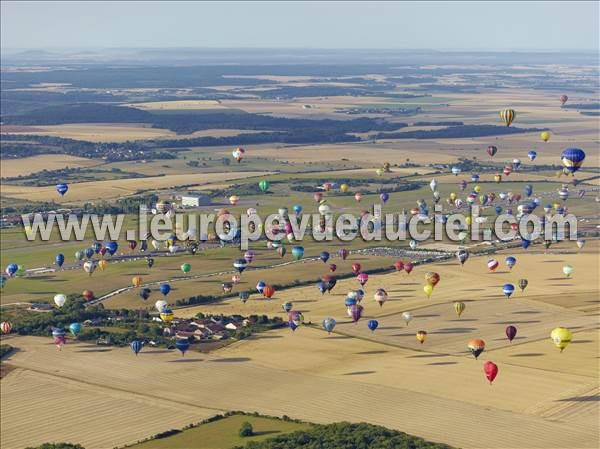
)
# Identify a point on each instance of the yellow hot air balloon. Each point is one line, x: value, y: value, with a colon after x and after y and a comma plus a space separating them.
x: 468, y: 220
x: 234, y: 199
x: 561, y: 337
x: 344, y: 188
x: 477, y: 188
x: 545, y: 136
x: 428, y: 289
x: 507, y: 116
x: 136, y: 281
x: 102, y: 264
x: 379, y: 172
x: 459, y: 308
x: 497, y: 178
x: 453, y: 196
x: 28, y: 230
x: 167, y: 315
x: 422, y: 336
x: 386, y: 167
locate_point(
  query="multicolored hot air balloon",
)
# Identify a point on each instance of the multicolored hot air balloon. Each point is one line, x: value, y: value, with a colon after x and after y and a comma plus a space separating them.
x: 240, y: 265
x: 167, y: 315
x: 459, y: 308
x: 421, y: 336
x: 563, y: 99
x: 58, y: 335
x: 507, y: 116
x: 491, y: 371
x: 532, y: 154
x: 476, y: 347
x: 356, y: 312
x: 161, y: 305
x: 462, y: 255
x: 5, y: 327
x: 523, y: 284
x: 572, y: 159
x: 510, y: 262
x: 62, y: 188
x: 508, y: 290
x: 88, y: 295
x: 492, y: 150
x: 136, y: 281
x: 380, y: 296
x: 432, y: 278
x: 244, y: 296
x: 492, y: 264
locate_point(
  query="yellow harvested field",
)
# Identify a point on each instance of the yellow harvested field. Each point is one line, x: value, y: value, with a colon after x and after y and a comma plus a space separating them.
x: 95, y: 190
x: 26, y: 166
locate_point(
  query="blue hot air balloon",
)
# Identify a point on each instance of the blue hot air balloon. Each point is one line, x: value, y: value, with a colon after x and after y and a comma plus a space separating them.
x: 59, y: 260
x: 297, y: 209
x: 525, y: 243
x: 165, y: 289
x: 183, y: 344
x: 528, y: 190
x: 373, y: 324
x: 75, y: 329
x: 89, y: 253
x: 532, y: 154
x: 475, y: 177
x: 136, y: 346
x: 328, y: 324
x: 112, y: 247
x: 349, y: 302
x: 498, y: 210
x: 260, y: 286
x: 384, y: 197
x: 97, y: 246
x: 572, y: 159
x: 508, y: 290
x: 2, y: 281
x: 322, y: 286
x: 324, y: 256
x: 11, y: 269
x: 297, y: 252
x: 62, y: 188
x: 292, y: 324
x: 510, y: 262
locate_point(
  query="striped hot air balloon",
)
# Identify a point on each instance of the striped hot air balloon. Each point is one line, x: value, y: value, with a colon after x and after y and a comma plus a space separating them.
x: 5, y: 327
x: 507, y: 116
x: 476, y: 347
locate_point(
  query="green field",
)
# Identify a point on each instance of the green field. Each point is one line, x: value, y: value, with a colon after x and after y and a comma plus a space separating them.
x: 223, y: 434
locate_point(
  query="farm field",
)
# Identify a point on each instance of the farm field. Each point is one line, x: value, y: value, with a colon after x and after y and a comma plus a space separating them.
x: 25, y: 166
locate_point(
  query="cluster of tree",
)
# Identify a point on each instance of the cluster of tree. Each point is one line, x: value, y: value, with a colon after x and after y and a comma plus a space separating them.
x: 57, y: 446
x: 438, y: 124
x: 78, y: 174
x: 392, y: 185
x: 591, y: 105
x: 456, y: 132
x: 128, y: 205
x: 5, y: 350
x: 345, y: 435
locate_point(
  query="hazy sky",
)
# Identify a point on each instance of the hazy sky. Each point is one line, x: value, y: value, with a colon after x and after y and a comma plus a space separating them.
x: 433, y: 25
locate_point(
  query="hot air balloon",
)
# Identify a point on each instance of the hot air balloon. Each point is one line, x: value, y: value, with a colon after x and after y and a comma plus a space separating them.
x: 249, y: 256
x: 59, y: 260
x: 11, y: 269
x: 287, y: 306
x: 563, y: 99
x: 236, y: 278
x: 507, y: 116
x: 580, y: 243
x: 462, y: 255
x: 508, y: 290
x: 532, y: 154
x: 356, y: 268
x: 407, y: 317
x: 358, y: 196
x: 186, y: 268
x: 150, y: 262
x: 510, y: 262
x: 459, y: 308
x: 433, y: 185
x: 568, y: 270
x: 491, y: 371
x: 476, y: 347
x: 268, y: 291
x: 136, y: 346
x: 75, y: 329
x: 462, y: 185
x: 5, y: 327
x: 244, y: 296
x: 62, y: 188
x: 413, y: 244
x: 372, y: 325
x: 260, y: 286
x: 421, y: 336
x: 183, y: 344
x: 492, y: 264
x: 167, y: 315
x: 572, y: 159
x: 456, y: 171
x: 58, y: 335
x: 88, y: 295
x: 432, y: 278
x: 297, y: 252
x: 428, y: 290
x: 226, y: 287
x: 297, y: 209
x: 234, y: 199
x: 112, y: 247
x: 324, y: 256
x: 362, y: 278
x: 343, y: 253
x: 328, y: 324
x: 264, y: 185
x: 161, y: 305
x: 145, y: 293
x: 408, y: 267
x: 281, y: 251
x: 318, y: 196
x: 384, y: 197
x: 399, y: 265
x: 238, y: 154
x: 545, y: 136
x: 380, y: 296
x: 511, y: 332
x: 240, y: 265
x: 561, y: 337
x: 498, y: 178
x: 165, y: 289
x: 356, y: 312
x: 523, y: 284
x: 324, y: 209
x: 492, y: 150
x: 60, y: 299
x: 102, y: 264
x: 332, y: 267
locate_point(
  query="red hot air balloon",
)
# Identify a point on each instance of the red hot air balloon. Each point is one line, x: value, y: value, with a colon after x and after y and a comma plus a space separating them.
x: 362, y: 278
x: 408, y: 267
x: 332, y: 267
x: 356, y: 268
x: 268, y: 291
x: 399, y: 265
x: 88, y: 295
x: 491, y: 371
x: 318, y: 196
x: 511, y: 332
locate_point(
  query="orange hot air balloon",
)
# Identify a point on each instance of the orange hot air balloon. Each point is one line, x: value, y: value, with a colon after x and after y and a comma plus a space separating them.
x: 136, y: 281
x: 102, y: 264
x: 268, y: 291
x: 422, y: 336
x: 476, y: 347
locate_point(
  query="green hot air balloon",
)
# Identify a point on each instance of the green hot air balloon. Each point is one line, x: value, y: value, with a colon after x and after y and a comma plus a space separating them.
x: 264, y: 185
x: 186, y: 267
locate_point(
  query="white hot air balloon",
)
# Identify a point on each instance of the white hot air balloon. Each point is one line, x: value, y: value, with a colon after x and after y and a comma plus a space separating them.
x: 161, y: 305
x: 433, y: 184
x: 60, y: 300
x: 407, y: 317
